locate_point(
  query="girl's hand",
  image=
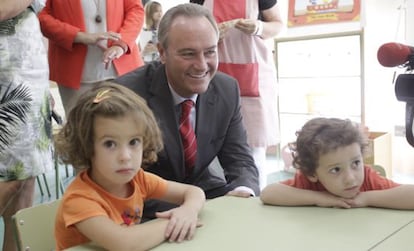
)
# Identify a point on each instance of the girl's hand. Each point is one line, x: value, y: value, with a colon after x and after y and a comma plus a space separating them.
x: 182, y: 223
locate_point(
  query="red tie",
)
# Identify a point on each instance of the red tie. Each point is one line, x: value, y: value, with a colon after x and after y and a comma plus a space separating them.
x: 188, y: 136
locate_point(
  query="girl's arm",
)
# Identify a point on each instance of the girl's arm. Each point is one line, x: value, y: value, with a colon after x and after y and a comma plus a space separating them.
x: 183, y: 220
x: 11, y: 8
x: 104, y: 232
x: 175, y: 224
x: 400, y: 197
x: 284, y: 195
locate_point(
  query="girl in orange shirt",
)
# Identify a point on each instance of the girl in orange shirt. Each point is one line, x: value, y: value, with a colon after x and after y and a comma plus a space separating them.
x: 112, y: 135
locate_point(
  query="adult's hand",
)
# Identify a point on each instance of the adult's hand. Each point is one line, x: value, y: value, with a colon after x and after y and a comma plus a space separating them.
x: 112, y: 53
x: 239, y: 193
x: 248, y: 26
x: 96, y: 38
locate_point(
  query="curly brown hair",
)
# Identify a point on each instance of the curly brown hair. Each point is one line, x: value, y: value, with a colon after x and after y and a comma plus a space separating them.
x: 322, y: 135
x: 75, y: 140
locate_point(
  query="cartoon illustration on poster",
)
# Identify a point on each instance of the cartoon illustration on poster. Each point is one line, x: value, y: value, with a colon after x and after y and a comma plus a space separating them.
x: 305, y: 12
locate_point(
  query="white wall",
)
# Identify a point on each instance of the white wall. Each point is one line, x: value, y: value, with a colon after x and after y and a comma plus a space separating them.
x: 409, y: 30
x: 166, y: 4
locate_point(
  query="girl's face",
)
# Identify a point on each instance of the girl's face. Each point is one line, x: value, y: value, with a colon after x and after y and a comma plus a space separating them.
x: 118, y: 150
x: 156, y: 16
x: 341, y: 171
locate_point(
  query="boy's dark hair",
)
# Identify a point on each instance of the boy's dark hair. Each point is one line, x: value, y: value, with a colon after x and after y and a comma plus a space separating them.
x: 320, y: 136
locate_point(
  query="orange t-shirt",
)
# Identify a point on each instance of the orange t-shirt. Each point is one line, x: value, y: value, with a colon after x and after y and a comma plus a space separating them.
x: 372, y: 181
x: 84, y: 199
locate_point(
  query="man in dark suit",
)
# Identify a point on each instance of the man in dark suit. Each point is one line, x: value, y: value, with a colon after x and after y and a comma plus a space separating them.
x: 188, y: 38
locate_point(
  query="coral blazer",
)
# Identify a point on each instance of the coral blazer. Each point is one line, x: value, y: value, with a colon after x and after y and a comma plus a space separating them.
x: 60, y: 21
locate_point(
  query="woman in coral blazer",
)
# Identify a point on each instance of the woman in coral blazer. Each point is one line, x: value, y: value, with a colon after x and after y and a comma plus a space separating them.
x: 90, y: 41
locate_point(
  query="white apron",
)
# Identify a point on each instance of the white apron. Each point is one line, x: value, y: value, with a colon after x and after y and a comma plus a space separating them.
x: 250, y: 61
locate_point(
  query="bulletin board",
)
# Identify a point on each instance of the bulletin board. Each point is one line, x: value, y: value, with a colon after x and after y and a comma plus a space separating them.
x: 308, y: 12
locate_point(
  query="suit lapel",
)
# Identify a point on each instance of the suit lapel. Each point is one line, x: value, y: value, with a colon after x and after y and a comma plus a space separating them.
x: 161, y: 103
x: 206, y: 107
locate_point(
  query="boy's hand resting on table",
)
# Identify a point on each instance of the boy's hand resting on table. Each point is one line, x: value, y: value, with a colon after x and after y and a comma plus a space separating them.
x: 361, y: 199
x: 325, y: 199
x: 182, y: 223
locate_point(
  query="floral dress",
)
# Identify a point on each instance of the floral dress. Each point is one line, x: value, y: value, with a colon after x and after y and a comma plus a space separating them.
x: 25, y: 124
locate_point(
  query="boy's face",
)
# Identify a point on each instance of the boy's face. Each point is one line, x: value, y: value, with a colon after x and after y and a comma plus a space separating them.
x: 118, y: 150
x: 341, y: 171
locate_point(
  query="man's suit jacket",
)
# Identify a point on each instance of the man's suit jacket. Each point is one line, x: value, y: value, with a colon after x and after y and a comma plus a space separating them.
x: 219, y: 131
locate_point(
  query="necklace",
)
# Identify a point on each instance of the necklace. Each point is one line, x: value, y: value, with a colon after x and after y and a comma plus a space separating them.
x: 98, y: 17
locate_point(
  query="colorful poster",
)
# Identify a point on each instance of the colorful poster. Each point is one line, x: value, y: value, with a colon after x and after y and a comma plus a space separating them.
x: 306, y: 12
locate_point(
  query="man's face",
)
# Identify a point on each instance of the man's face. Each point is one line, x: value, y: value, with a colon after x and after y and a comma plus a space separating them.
x: 191, y: 57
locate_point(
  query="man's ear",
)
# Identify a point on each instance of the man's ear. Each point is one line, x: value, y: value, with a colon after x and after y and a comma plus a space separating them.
x: 162, y: 52
x: 312, y: 178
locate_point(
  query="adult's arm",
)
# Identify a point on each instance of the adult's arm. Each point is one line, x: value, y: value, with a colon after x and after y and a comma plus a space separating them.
x: 131, y: 24
x: 61, y: 33
x: 11, y: 8
x: 272, y: 22
x: 235, y: 155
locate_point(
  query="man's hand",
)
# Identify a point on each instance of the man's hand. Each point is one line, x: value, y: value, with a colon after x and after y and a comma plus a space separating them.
x: 239, y: 193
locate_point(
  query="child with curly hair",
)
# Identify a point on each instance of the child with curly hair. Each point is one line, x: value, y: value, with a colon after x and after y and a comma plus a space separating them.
x: 112, y: 136
x: 328, y: 154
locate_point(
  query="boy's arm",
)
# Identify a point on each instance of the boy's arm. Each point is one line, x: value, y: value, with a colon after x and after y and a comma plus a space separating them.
x: 284, y: 195
x: 183, y: 220
x: 400, y: 197
x: 105, y: 233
